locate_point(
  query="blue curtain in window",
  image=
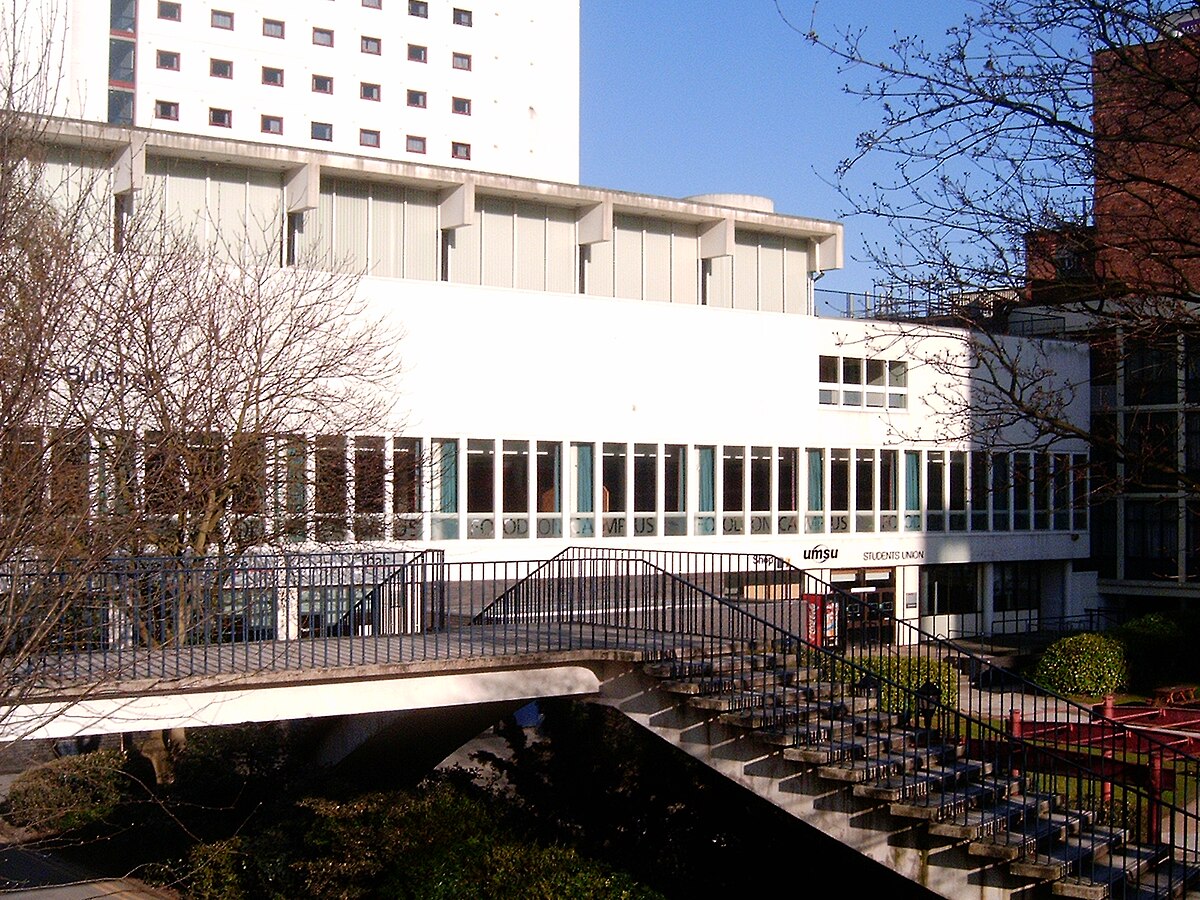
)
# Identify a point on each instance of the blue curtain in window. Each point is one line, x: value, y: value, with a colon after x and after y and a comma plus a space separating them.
x: 585, y: 493
x: 816, y: 481
x: 708, y: 494
x: 912, y: 481
x: 449, y: 477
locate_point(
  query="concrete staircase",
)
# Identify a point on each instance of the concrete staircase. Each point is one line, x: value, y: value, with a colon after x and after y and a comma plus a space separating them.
x: 896, y: 791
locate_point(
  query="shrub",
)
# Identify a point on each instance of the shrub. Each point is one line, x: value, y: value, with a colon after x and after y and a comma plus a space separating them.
x: 1155, y: 651
x: 1090, y: 665
x: 69, y: 793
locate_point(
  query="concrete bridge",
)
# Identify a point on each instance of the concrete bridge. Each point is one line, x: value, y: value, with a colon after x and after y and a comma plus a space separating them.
x: 905, y: 747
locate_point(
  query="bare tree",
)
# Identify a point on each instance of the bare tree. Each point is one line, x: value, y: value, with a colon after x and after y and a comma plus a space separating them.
x: 1046, y: 181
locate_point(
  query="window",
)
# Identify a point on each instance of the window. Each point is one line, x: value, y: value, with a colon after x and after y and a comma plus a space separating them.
x: 371, y: 45
x: 120, y: 61
x: 172, y: 12
x: 459, y: 150
x: 863, y: 383
x: 323, y: 37
x: 120, y: 107
x: 322, y: 131
x: 418, y: 8
x: 168, y: 59
x: 322, y: 84
x: 462, y: 17
x: 123, y: 16
x: 368, y: 138
x: 948, y: 590
x: 272, y: 76
x: 222, y: 19
x: 461, y: 61
x: 417, y: 53
x: 272, y: 28
x: 221, y: 118
x: 272, y: 125
x: 461, y: 105
x: 369, y: 91
x: 166, y: 109
x: 220, y: 68
x: 373, y: 4
x: 416, y: 98
x: 414, y: 144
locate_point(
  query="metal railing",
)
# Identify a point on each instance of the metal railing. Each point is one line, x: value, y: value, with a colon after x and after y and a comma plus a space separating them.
x: 930, y: 721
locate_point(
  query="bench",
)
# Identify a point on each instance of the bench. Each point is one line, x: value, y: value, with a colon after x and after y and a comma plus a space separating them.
x: 1174, y: 693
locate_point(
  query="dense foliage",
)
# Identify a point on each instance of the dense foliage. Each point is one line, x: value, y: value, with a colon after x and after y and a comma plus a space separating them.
x: 1089, y: 665
x: 68, y: 794
x: 1155, y: 650
x: 899, y: 679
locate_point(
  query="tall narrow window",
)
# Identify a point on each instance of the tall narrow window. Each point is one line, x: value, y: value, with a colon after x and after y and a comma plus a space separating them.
x: 549, y: 489
x: 612, y: 489
x: 760, y: 490
x: 514, y: 489
x: 1080, y: 495
x: 330, y: 487
x: 839, y: 490
x: 444, y: 522
x: 958, y: 490
x: 406, y: 489
x: 912, y: 490
x: 583, y: 522
x: 674, y: 489
x: 368, y: 488
x: 1001, y: 486
x: 481, y: 488
x: 733, y: 485
x: 888, y: 490
x: 864, y: 490
x: 979, y: 491
x: 1021, y: 483
x: 645, y: 489
x: 1041, y: 491
x: 815, y: 520
x: 706, y: 482
x: 292, y: 480
x: 935, y: 490
x: 787, y: 496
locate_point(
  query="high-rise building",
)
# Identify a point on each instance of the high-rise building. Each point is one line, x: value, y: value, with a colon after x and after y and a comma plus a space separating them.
x: 488, y: 86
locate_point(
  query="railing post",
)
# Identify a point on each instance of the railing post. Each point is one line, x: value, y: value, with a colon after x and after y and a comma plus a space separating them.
x: 1154, y: 807
x: 1014, y: 731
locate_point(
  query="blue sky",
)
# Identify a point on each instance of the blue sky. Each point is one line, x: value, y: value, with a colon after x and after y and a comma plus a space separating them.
x: 684, y: 97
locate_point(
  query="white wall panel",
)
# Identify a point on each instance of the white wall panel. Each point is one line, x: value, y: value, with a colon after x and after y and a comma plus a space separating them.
x: 685, y: 269
x: 770, y: 273
x: 745, y: 272
x: 496, y: 225
x: 420, y: 235
x: 387, y: 230
x: 627, y: 257
x: 795, y: 276
x: 530, y: 249
x: 657, y: 260
x: 561, y: 264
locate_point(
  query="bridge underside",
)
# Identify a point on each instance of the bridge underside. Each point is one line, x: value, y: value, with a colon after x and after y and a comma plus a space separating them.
x: 194, y: 703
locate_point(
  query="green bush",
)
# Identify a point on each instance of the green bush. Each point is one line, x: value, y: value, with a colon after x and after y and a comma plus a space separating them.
x: 69, y: 793
x: 1155, y: 651
x: 1089, y: 665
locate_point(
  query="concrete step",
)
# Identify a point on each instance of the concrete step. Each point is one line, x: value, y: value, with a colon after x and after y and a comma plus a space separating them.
x: 1030, y: 835
x: 875, y: 768
x: 1109, y: 877
x: 1065, y: 857
x: 791, y: 714
x: 930, y: 776
x: 1170, y: 878
x: 997, y: 808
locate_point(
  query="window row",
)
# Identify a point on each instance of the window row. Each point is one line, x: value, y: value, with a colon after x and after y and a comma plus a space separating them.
x: 862, y: 383
x: 481, y: 488
x: 173, y: 12
x: 857, y: 490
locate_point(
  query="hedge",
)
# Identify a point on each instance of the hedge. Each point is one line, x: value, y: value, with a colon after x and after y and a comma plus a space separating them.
x: 1088, y: 664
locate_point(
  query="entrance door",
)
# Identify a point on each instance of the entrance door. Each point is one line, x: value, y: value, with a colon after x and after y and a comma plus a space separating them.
x: 867, y: 612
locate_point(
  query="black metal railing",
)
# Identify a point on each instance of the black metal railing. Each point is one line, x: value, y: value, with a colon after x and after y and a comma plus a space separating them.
x: 931, y: 720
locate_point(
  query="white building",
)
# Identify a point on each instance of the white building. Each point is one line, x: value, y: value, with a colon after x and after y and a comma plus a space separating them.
x: 596, y: 367
x: 488, y: 85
